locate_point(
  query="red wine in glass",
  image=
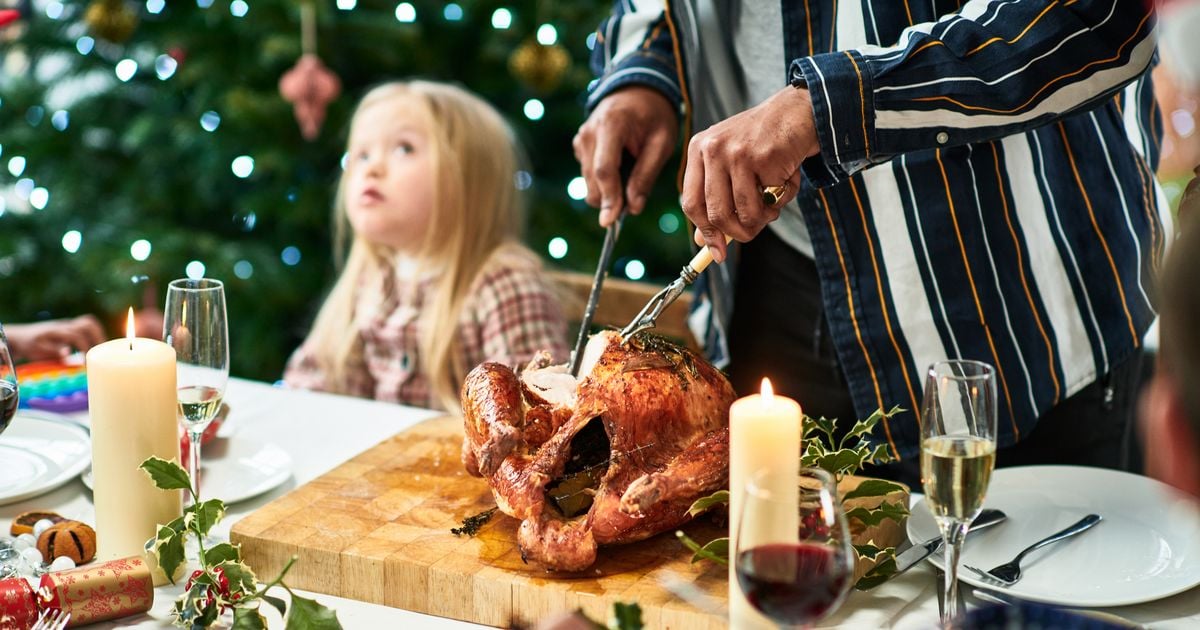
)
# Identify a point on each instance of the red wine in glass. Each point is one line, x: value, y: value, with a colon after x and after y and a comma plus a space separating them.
x: 793, y: 584
x: 8, y: 403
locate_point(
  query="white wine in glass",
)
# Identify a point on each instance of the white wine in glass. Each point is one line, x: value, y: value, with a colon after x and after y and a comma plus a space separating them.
x: 195, y: 325
x: 958, y: 452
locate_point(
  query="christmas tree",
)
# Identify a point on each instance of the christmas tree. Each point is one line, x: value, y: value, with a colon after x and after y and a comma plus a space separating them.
x: 146, y: 141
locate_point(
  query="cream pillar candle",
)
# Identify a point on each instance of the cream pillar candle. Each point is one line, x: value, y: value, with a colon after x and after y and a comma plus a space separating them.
x: 764, y: 434
x: 132, y: 404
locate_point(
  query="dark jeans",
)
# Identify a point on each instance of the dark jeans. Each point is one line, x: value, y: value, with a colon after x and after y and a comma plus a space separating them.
x: 779, y: 330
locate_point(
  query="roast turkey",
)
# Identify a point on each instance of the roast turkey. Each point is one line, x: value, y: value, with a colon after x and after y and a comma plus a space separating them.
x: 613, y: 456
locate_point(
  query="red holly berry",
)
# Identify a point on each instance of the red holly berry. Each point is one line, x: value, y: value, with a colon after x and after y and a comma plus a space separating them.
x: 192, y: 580
x: 222, y: 582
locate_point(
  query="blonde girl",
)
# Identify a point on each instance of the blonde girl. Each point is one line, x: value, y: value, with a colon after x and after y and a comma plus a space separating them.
x: 436, y: 280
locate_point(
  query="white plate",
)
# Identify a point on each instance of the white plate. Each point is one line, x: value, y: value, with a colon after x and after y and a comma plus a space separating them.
x: 39, y: 452
x: 236, y: 470
x: 1146, y: 548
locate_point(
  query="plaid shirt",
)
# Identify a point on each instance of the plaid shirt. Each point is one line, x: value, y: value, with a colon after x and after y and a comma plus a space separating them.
x: 510, y: 315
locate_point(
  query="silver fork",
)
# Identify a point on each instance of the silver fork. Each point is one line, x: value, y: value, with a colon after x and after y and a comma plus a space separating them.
x: 1009, y: 573
x: 52, y: 619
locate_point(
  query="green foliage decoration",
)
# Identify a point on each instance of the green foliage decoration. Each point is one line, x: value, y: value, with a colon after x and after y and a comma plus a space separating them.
x: 223, y: 582
x: 840, y: 457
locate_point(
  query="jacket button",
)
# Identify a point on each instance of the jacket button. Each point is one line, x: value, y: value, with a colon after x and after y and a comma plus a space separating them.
x: 943, y: 137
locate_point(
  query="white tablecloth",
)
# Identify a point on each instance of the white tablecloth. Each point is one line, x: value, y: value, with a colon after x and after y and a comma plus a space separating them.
x: 320, y: 431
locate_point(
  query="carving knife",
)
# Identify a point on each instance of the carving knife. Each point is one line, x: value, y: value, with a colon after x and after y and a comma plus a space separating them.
x: 910, y: 557
x: 610, y: 241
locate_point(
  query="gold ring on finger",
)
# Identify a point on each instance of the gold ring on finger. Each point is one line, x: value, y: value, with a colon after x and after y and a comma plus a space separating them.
x: 771, y: 195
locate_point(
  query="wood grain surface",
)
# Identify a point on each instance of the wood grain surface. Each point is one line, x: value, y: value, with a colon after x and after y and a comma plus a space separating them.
x: 377, y: 529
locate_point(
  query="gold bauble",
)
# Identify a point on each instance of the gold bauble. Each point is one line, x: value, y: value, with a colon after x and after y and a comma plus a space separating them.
x: 111, y: 20
x: 539, y: 67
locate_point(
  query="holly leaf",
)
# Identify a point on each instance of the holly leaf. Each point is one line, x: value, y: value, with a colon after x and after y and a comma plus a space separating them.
x: 625, y: 617
x: 168, y: 548
x: 878, y: 574
x: 873, y: 488
x: 308, y: 614
x: 871, y: 552
x: 166, y: 475
x: 873, y: 517
x: 248, y: 619
x: 881, y: 455
x: 223, y: 552
x: 716, y: 550
x: 203, y: 516
x: 279, y: 604
x: 840, y: 462
x: 720, y: 497
x: 238, y: 574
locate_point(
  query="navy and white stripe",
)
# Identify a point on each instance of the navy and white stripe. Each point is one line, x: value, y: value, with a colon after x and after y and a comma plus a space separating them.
x: 984, y: 189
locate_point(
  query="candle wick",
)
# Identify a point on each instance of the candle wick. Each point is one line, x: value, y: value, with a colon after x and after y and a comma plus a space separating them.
x: 131, y: 345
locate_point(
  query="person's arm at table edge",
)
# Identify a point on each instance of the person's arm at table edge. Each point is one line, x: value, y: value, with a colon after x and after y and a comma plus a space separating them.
x: 1032, y: 64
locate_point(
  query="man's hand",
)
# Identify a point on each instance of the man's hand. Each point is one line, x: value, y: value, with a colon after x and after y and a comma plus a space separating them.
x: 730, y: 162
x: 54, y: 339
x: 636, y: 119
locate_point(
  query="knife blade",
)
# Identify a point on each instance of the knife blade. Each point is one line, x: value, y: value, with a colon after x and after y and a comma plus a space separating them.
x: 906, y: 559
x: 610, y: 241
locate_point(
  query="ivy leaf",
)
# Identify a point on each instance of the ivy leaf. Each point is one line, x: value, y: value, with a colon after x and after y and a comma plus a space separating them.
x: 279, y: 604
x: 205, y: 515
x: 873, y: 517
x: 166, y: 475
x: 716, y: 550
x: 873, y: 488
x: 720, y: 497
x: 308, y: 614
x: 248, y: 619
x: 223, y: 552
x: 168, y: 548
x: 239, y: 574
x: 625, y: 617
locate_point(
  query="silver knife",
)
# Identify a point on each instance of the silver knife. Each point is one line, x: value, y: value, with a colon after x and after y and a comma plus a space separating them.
x: 606, y: 251
x: 918, y: 552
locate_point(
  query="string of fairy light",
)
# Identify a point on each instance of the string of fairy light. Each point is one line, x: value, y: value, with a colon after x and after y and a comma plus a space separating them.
x: 164, y: 66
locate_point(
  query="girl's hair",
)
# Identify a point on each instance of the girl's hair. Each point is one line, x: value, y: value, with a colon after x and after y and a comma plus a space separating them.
x: 477, y: 214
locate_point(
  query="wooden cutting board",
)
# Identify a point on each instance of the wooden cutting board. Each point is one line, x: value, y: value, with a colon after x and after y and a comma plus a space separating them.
x: 377, y: 529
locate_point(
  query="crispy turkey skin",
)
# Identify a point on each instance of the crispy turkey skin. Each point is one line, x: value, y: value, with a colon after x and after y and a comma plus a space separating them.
x: 613, y: 456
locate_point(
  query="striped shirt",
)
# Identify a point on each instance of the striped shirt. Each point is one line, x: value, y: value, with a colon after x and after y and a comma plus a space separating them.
x: 511, y: 315
x: 985, y: 187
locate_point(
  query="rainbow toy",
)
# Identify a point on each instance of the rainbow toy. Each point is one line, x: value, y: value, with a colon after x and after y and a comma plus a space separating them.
x: 58, y: 386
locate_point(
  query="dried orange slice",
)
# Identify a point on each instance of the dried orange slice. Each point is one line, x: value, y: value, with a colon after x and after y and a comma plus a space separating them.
x: 24, y: 522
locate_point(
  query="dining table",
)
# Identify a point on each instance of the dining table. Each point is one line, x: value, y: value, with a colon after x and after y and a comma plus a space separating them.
x: 319, y: 431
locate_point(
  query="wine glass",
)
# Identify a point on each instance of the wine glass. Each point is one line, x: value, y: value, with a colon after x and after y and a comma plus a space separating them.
x: 794, y: 559
x: 958, y: 452
x: 9, y: 393
x: 194, y: 324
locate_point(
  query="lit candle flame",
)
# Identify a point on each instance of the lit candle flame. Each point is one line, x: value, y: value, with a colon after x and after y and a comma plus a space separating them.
x: 767, y: 392
x: 129, y: 325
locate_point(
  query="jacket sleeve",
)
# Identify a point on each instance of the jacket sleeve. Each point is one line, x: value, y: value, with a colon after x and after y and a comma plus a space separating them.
x: 990, y: 70
x: 634, y: 47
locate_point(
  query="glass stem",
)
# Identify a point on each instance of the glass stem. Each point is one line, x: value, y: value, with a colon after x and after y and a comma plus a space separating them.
x: 954, y: 533
x: 194, y: 462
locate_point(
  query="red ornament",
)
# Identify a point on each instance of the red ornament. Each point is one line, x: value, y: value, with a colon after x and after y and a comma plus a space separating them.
x: 310, y: 87
x: 8, y: 16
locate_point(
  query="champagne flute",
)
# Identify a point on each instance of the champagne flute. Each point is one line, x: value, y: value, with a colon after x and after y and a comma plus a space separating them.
x: 9, y: 393
x: 195, y: 326
x: 958, y: 452
x: 794, y: 559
